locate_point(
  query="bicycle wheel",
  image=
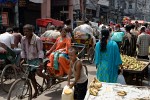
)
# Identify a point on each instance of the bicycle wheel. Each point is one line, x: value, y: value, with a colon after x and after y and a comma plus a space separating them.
x: 91, y: 55
x: 20, y: 90
x: 8, y: 77
x: 45, y: 85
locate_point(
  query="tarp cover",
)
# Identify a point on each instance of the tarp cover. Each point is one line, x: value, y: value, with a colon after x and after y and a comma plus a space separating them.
x: 45, y: 21
x: 5, y: 1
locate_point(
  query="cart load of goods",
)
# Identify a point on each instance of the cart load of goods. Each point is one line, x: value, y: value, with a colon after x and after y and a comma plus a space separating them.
x: 94, y: 87
x: 131, y: 63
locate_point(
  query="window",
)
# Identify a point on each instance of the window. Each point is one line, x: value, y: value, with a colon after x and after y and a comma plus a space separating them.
x: 130, y: 6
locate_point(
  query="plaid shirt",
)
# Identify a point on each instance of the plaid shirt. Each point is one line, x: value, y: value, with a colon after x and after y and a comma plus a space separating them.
x: 144, y: 42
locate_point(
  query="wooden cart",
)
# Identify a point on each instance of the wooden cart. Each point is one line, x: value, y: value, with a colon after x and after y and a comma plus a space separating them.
x: 138, y: 75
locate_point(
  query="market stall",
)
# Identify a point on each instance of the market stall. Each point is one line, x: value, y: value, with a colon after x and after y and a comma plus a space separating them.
x: 115, y: 91
x: 134, y: 68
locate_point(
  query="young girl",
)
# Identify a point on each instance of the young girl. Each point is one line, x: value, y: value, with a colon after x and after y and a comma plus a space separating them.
x: 81, y: 80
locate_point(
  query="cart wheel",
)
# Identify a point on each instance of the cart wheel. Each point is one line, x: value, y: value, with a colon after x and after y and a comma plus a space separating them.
x: 8, y: 77
x: 91, y: 55
x: 20, y: 90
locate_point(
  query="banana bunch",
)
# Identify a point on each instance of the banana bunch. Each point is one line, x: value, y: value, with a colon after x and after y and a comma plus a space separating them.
x: 122, y: 93
x: 94, y: 87
x: 132, y: 63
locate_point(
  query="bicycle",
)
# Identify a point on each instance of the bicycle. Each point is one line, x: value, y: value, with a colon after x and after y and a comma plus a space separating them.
x: 21, y: 88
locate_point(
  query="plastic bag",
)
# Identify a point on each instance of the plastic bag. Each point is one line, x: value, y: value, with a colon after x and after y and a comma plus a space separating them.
x: 67, y: 96
x: 117, y: 36
x: 121, y: 79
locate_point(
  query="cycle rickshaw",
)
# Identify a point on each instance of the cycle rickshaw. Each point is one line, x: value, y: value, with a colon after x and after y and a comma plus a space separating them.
x: 7, y: 68
x: 21, y: 89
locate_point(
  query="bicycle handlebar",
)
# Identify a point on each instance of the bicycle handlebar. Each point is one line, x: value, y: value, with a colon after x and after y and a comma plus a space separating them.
x: 28, y: 65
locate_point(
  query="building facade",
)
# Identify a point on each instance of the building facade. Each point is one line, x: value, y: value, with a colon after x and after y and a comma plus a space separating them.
x: 137, y: 9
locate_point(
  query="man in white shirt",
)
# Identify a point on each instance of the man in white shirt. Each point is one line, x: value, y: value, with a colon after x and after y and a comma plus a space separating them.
x: 7, y: 38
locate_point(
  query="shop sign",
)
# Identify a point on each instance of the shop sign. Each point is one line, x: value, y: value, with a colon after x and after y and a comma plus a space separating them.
x: 7, y: 5
x: 5, y: 20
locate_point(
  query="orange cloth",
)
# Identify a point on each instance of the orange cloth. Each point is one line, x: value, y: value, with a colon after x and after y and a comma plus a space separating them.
x: 63, y: 62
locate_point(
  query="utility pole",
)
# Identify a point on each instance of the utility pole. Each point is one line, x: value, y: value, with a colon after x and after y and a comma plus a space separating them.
x: 83, y: 9
x: 1, y: 22
x: 135, y: 10
x: 16, y: 14
x: 84, y: 13
x: 71, y: 11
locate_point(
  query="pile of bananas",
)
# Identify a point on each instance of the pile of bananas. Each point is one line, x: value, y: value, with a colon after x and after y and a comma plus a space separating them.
x: 132, y: 63
x: 122, y: 93
x: 94, y: 87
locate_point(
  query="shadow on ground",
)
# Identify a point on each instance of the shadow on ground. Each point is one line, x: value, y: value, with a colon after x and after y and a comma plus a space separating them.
x: 55, y: 92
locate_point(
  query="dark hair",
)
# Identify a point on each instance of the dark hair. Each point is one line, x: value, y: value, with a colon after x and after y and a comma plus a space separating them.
x: 110, y: 29
x: 132, y: 26
x: 105, y: 36
x: 73, y: 48
x: 146, y: 24
x: 68, y: 21
x: 128, y: 28
x: 143, y: 28
x: 86, y: 22
x: 29, y: 27
x: 9, y: 29
x: 136, y: 21
x: 59, y: 28
x: 15, y: 29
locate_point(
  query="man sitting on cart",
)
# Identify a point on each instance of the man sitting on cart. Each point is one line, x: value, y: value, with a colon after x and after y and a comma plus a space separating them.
x: 84, y: 31
x: 7, y: 44
x: 59, y: 63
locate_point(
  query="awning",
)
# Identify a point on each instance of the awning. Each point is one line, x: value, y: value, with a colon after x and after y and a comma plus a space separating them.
x: 139, y: 21
x: 36, y: 1
x: 5, y: 1
x: 91, y: 4
x: 45, y: 21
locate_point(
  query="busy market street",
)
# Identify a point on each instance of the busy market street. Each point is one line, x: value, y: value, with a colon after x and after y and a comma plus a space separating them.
x: 75, y: 49
x: 56, y: 92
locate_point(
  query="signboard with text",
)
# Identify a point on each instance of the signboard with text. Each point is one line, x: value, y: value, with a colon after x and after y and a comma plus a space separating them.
x: 5, y: 20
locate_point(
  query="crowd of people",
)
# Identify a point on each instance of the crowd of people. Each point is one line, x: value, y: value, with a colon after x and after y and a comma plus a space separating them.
x: 113, y: 40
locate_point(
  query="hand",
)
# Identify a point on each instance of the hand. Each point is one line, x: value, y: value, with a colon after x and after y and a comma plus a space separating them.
x: 47, y: 53
x: 121, y: 71
x: 71, y: 85
x: 68, y: 84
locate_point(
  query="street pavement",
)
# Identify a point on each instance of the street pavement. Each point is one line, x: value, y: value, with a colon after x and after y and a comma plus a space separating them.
x: 54, y: 93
